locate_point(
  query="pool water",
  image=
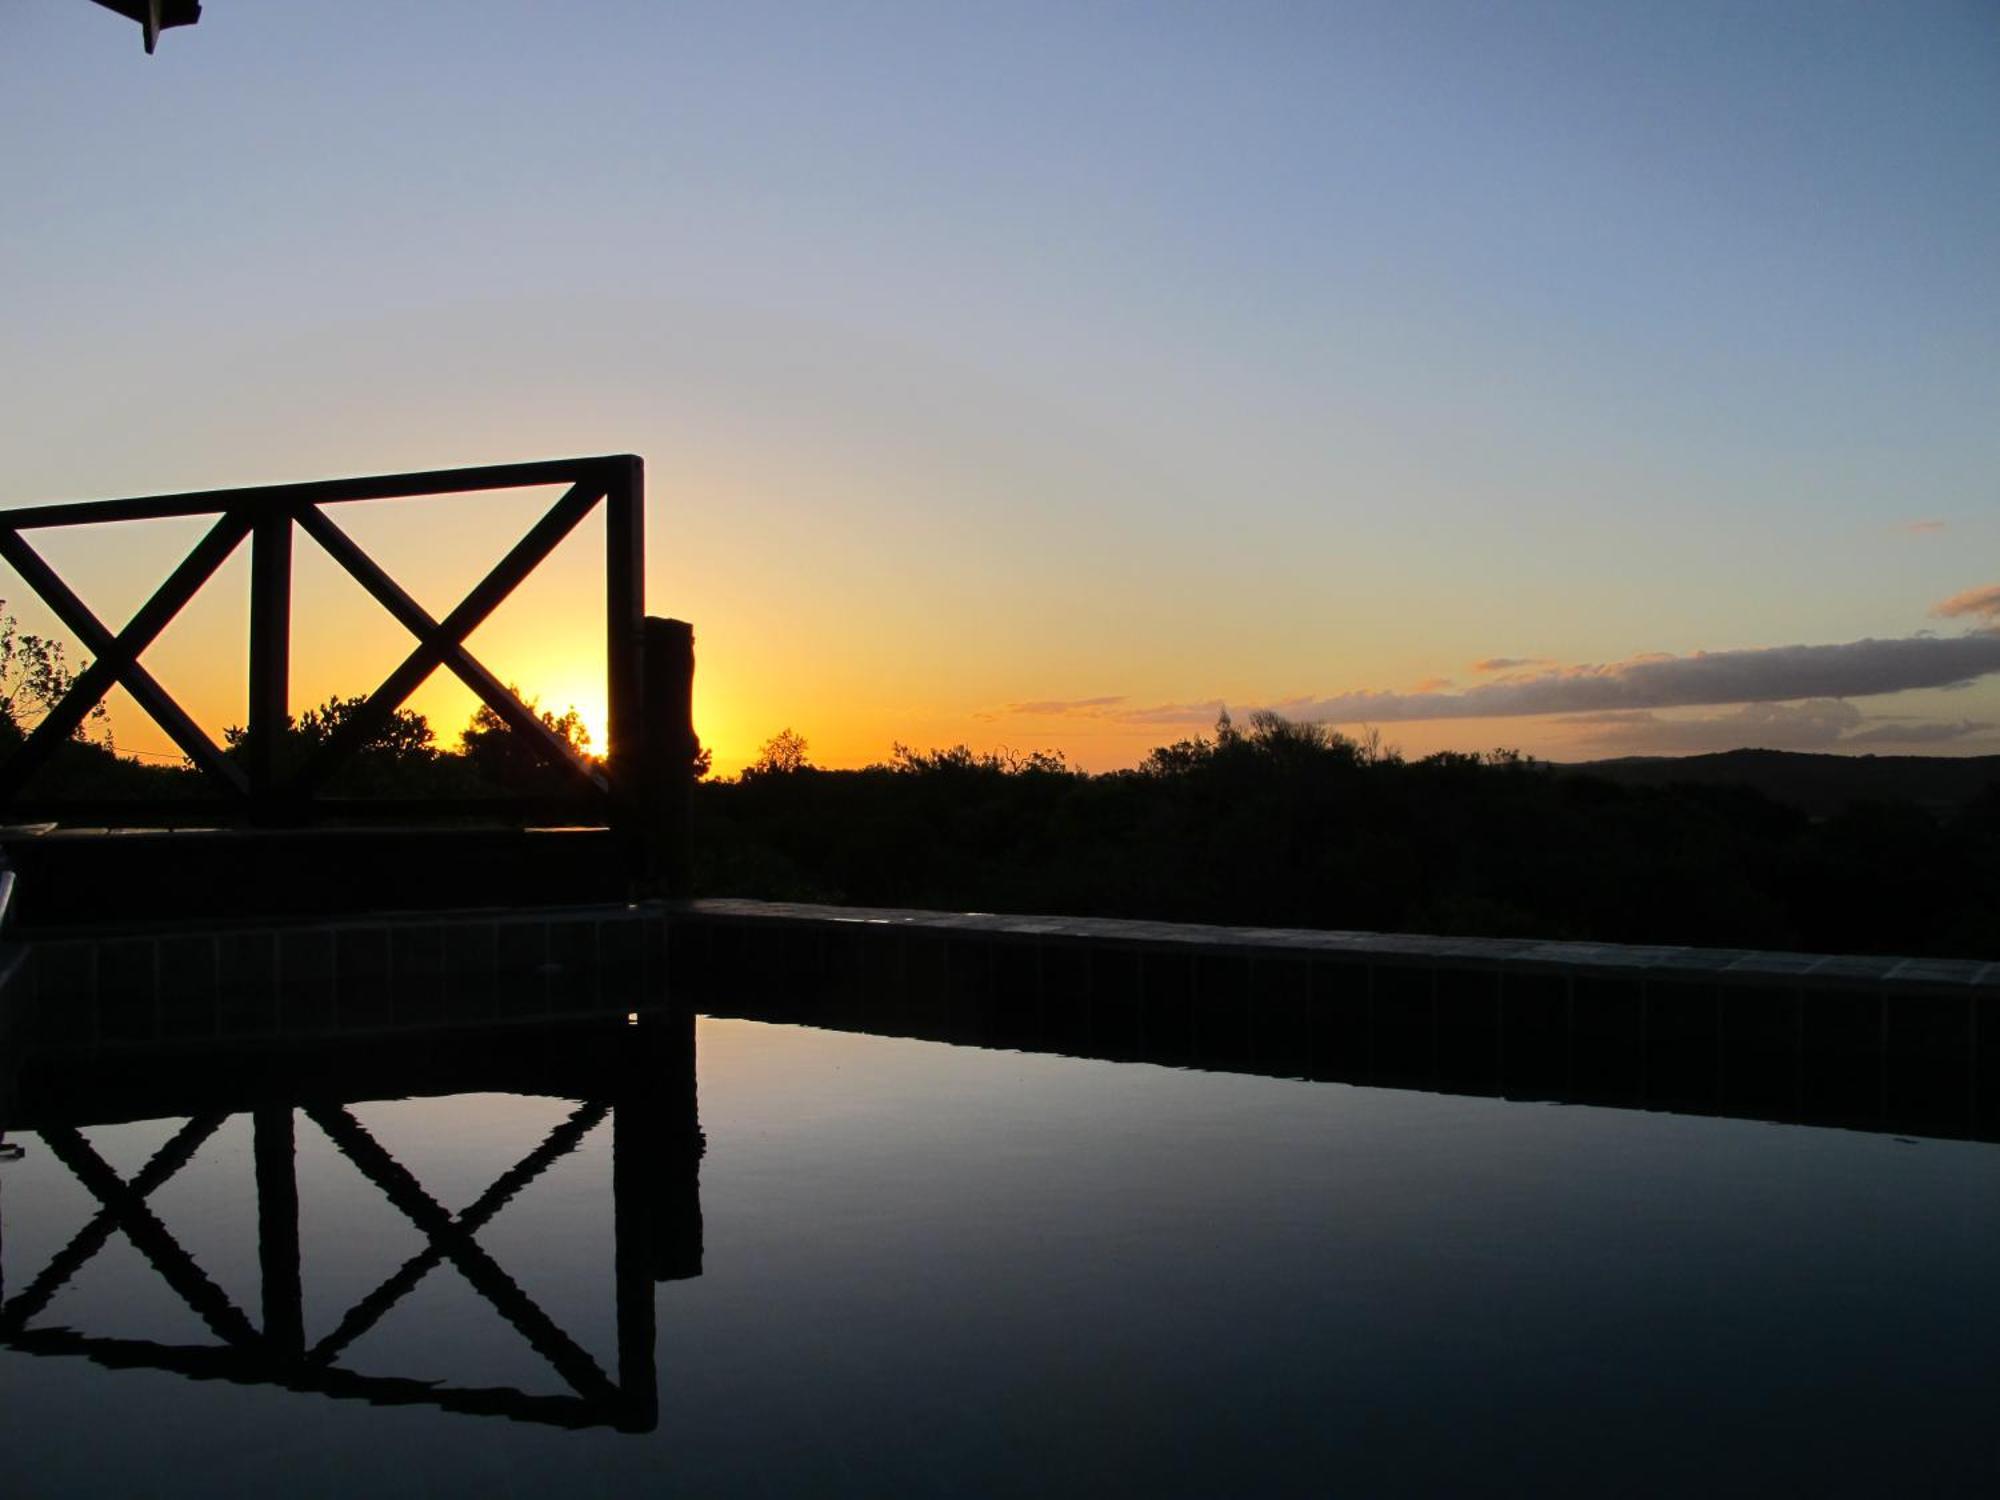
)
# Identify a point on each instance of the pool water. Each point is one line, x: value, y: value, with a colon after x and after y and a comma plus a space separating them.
x: 912, y: 1268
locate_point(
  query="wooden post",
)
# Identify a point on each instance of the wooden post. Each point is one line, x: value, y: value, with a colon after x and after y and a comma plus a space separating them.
x: 675, y: 1198
x: 270, y: 655
x: 273, y: 1147
x: 656, y: 1151
x: 670, y: 746
x: 625, y: 613
x: 638, y: 1407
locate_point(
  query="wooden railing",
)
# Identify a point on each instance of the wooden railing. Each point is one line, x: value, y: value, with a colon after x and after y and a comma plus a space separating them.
x: 257, y: 784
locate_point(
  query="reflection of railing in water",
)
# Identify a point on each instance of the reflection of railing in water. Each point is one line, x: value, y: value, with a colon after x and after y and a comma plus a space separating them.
x: 641, y: 1079
x: 1862, y: 1043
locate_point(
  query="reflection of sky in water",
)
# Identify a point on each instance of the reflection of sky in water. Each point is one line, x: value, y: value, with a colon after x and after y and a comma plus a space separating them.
x: 942, y: 1270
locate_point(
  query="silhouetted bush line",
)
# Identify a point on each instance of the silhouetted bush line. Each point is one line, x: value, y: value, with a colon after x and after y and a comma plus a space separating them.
x: 1278, y: 824
x: 1293, y: 825
x: 402, y: 759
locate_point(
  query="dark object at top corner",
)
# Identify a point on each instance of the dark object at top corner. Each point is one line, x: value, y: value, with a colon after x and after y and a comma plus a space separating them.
x: 155, y: 16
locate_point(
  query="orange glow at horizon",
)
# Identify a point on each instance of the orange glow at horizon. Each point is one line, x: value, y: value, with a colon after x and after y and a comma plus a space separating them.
x: 857, y: 652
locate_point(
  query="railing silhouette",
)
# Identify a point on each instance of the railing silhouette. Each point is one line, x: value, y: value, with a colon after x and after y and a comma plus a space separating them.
x: 257, y: 786
x: 655, y: 1189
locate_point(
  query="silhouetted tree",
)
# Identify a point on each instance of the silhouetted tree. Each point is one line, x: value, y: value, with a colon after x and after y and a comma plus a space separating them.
x: 961, y: 758
x: 404, y: 735
x: 505, y: 761
x: 399, y: 758
x: 782, y: 754
x: 34, y: 676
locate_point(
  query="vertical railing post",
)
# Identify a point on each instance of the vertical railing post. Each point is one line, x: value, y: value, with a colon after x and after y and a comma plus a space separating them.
x: 273, y: 1147
x: 675, y: 1198
x: 635, y: 1159
x: 270, y: 655
x: 625, y: 613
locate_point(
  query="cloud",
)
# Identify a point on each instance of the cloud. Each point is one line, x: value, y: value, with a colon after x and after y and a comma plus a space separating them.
x: 1983, y: 601
x: 1061, y: 708
x: 1784, y: 696
x: 1108, y: 708
x: 1923, y: 528
x: 1817, y: 724
x: 1176, y: 713
x: 1812, y: 725
x: 1917, y: 732
x: 1770, y: 674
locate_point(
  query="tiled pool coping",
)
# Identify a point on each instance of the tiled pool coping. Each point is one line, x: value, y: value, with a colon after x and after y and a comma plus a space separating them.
x: 1597, y: 960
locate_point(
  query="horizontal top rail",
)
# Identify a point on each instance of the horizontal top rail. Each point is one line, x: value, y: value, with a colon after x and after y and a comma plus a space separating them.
x: 315, y: 492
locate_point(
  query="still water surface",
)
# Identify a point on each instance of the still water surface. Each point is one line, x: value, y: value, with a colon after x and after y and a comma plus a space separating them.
x: 939, y: 1270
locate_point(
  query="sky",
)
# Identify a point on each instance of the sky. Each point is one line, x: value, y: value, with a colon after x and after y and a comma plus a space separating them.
x: 1585, y: 379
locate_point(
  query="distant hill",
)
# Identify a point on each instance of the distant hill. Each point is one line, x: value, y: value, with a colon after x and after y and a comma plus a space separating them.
x: 1819, y: 785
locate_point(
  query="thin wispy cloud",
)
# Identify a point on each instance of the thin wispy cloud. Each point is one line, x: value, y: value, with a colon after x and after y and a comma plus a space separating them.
x: 1113, y: 707
x: 1177, y: 713
x: 1508, y: 663
x: 1919, y: 732
x: 1058, y: 708
x: 1982, y: 602
x: 1769, y: 674
x: 1921, y: 528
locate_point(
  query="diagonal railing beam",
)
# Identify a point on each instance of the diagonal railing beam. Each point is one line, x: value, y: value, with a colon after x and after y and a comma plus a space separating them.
x: 117, y: 656
x: 473, y: 1263
x: 443, y: 643
x: 96, y: 1234
x: 371, y: 1309
x: 139, y: 1224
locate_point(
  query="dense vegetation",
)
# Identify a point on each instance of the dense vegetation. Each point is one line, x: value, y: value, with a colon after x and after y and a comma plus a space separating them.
x: 400, y: 759
x: 1294, y: 825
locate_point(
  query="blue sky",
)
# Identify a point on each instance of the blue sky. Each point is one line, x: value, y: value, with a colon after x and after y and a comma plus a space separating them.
x: 1009, y: 358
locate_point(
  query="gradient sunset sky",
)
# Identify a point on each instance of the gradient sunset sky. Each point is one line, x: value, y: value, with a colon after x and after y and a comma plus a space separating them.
x: 1586, y: 378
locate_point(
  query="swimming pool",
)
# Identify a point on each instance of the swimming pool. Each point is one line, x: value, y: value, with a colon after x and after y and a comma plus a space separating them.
x: 804, y: 1261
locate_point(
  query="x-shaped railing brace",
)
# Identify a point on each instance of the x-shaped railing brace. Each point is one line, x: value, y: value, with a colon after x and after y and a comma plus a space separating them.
x: 452, y: 1240
x: 444, y: 644
x: 275, y: 1352
x: 123, y: 1206
x: 117, y: 656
